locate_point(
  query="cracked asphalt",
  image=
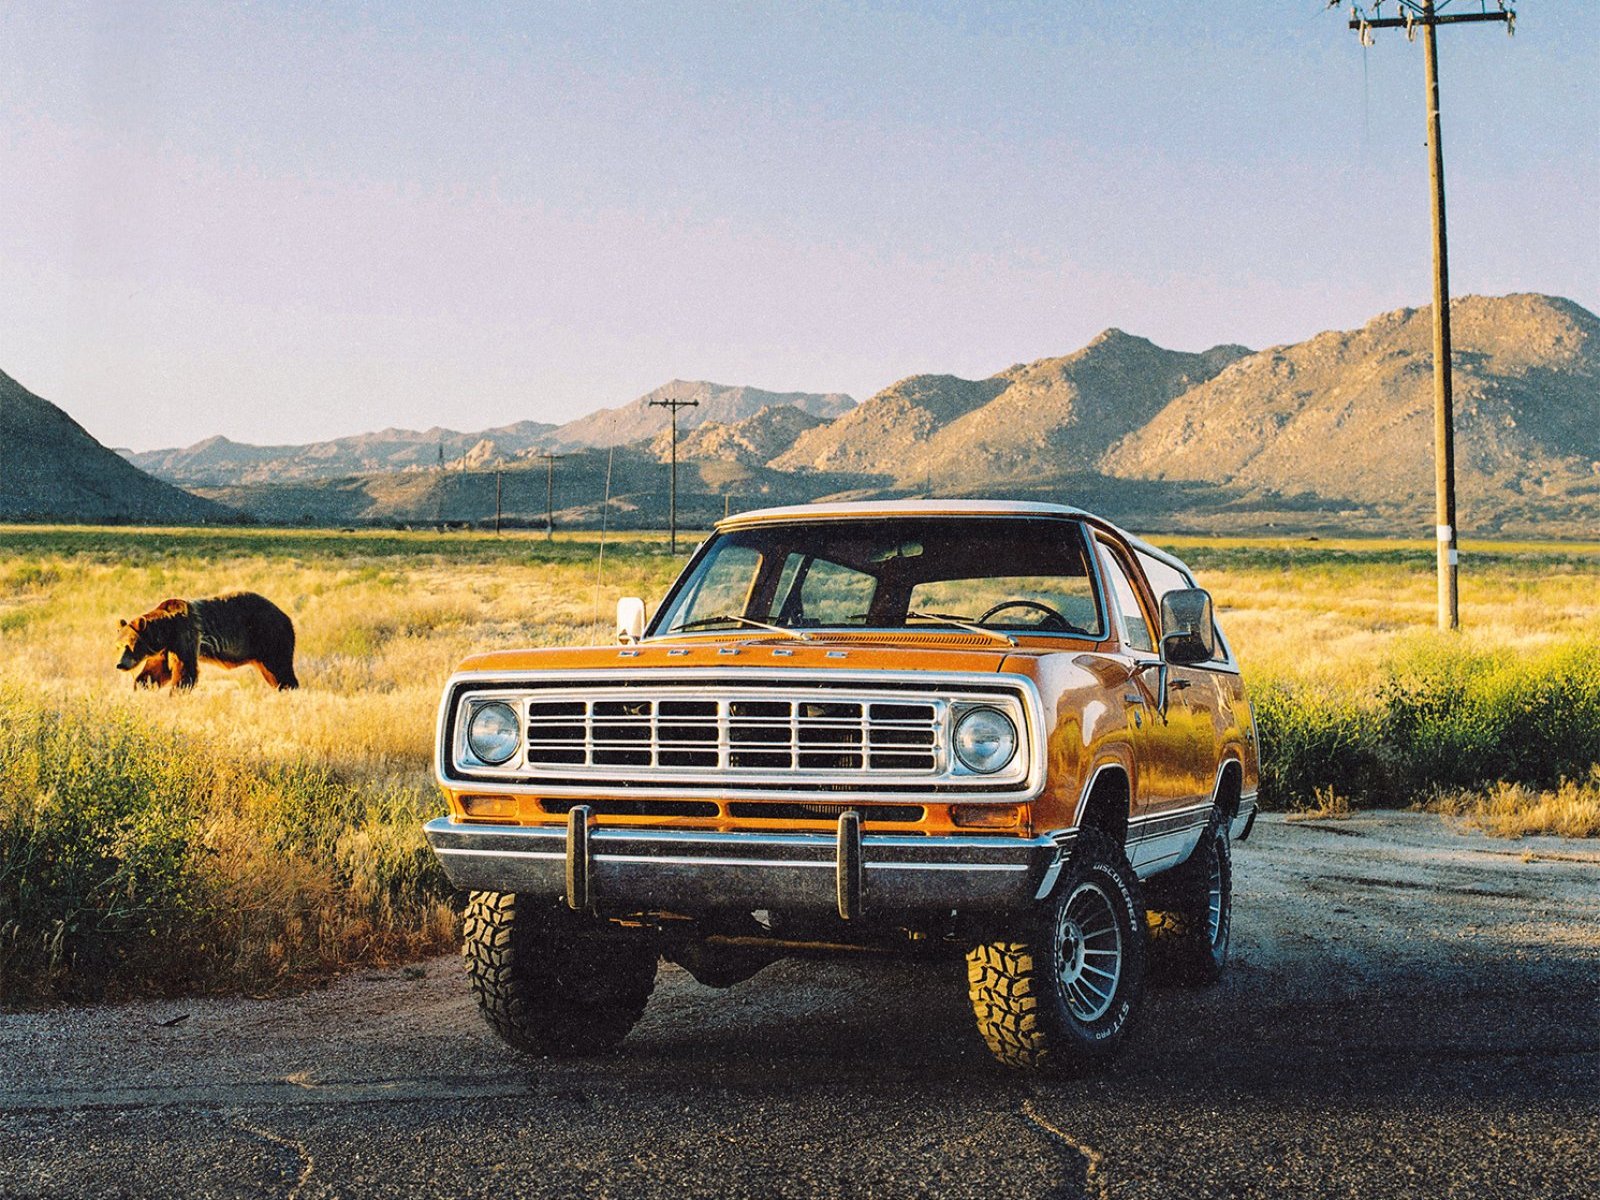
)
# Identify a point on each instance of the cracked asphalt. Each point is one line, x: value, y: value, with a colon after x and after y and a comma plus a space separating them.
x: 1410, y: 1012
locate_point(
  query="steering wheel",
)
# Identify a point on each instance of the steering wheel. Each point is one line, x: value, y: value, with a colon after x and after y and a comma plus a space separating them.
x: 1053, y: 620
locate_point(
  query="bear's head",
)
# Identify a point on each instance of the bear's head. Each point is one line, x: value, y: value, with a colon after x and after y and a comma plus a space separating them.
x: 158, y: 631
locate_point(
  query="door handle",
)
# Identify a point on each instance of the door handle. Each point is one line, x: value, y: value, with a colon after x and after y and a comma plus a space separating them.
x: 1178, y: 685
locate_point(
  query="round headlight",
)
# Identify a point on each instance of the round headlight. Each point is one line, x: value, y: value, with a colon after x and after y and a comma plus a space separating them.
x: 492, y: 733
x: 985, y: 740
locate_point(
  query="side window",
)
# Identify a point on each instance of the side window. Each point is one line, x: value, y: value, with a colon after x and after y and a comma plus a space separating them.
x: 1130, y: 618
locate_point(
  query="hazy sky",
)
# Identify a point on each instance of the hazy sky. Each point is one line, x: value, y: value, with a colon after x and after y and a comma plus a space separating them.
x: 283, y: 222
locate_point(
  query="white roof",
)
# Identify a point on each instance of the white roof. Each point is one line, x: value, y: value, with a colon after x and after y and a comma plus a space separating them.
x: 905, y: 508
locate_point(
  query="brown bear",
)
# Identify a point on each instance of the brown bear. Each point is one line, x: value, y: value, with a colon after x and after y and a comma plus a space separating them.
x: 168, y: 642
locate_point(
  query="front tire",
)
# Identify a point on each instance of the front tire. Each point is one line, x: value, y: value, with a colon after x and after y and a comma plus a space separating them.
x: 1064, y: 992
x: 547, y: 980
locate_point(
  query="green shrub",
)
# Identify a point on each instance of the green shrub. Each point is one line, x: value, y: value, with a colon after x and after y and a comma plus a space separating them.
x: 131, y: 861
x: 1443, y: 718
x: 1455, y: 719
x: 1314, y: 738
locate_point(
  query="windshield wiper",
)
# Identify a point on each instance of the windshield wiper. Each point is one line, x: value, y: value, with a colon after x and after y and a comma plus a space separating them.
x: 707, y: 622
x: 963, y: 623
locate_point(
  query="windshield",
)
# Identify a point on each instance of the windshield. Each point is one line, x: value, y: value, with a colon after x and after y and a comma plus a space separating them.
x: 1017, y: 574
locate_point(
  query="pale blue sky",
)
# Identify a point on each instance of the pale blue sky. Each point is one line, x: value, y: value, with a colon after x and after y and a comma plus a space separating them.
x: 282, y: 222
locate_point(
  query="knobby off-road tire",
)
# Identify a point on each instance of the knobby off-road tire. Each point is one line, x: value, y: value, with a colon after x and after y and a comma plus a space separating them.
x: 1191, y: 913
x: 547, y: 980
x: 1064, y: 991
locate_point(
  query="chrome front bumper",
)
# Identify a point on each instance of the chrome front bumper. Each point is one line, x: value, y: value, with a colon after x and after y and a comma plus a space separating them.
x: 851, y: 873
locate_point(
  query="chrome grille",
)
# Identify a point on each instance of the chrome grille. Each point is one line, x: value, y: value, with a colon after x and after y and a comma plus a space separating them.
x: 824, y: 734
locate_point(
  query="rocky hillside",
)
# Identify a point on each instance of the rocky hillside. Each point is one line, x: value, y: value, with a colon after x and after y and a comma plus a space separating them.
x: 753, y: 441
x: 220, y: 462
x: 52, y: 468
x: 718, y: 403
x: 1347, y: 416
x: 1046, y: 418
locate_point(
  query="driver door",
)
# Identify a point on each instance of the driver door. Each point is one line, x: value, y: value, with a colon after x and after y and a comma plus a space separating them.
x: 1175, y: 758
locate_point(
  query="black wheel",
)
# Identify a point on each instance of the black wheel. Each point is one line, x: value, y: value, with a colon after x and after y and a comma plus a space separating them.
x: 1064, y: 992
x: 1191, y: 915
x: 547, y: 980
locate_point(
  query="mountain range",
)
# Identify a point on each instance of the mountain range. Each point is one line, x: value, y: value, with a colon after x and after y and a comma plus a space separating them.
x: 218, y: 462
x: 1333, y: 433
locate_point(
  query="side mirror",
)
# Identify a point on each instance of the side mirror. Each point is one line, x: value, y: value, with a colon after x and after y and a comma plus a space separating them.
x: 630, y: 619
x: 1188, y: 634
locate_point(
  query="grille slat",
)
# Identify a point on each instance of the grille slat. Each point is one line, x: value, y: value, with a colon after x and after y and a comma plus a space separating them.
x: 829, y: 734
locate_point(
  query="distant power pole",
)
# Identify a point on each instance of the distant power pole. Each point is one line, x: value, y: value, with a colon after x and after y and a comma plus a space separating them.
x: 1428, y: 15
x: 550, y: 493
x: 674, y: 406
x: 499, y: 475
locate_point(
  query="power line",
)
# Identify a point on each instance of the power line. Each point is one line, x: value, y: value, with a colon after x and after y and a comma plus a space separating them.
x: 1428, y: 15
x: 674, y: 406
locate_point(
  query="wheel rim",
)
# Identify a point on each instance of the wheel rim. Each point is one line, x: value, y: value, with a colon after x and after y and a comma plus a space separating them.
x: 1214, y: 923
x: 1089, y: 952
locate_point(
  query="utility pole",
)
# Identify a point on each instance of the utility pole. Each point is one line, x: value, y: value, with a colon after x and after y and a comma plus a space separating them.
x: 674, y: 406
x: 1429, y: 15
x: 550, y: 493
x: 499, y: 474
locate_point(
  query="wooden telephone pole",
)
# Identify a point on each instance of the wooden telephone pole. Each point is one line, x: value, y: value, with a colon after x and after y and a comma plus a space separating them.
x: 499, y: 476
x: 550, y: 493
x: 672, y: 503
x: 1428, y: 15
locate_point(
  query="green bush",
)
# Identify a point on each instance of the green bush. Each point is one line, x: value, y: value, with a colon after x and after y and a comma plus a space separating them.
x: 1313, y: 738
x: 100, y: 856
x: 1443, y: 718
x: 133, y: 862
x: 1454, y: 719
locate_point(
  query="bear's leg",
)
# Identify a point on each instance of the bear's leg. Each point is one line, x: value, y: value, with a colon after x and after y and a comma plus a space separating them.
x: 281, y: 674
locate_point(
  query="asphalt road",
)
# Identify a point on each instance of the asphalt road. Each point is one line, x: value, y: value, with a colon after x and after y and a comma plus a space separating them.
x: 1410, y: 1012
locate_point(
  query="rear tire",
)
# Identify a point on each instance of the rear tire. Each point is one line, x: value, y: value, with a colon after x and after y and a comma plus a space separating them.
x: 1191, y: 923
x: 549, y: 981
x: 1064, y: 991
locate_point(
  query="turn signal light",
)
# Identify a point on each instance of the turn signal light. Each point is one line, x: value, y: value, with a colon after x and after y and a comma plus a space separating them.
x: 489, y: 806
x: 986, y: 816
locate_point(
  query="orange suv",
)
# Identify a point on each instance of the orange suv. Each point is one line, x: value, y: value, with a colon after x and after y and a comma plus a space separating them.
x: 1006, y: 729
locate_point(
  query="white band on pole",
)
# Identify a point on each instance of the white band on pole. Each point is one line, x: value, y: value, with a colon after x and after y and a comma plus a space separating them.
x: 1444, y: 533
x: 1455, y: 557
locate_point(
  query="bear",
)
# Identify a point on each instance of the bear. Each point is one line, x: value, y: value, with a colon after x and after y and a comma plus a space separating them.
x: 167, y: 643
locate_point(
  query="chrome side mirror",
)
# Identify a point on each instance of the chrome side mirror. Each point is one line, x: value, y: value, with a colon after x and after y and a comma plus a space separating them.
x: 630, y: 619
x: 1188, y: 631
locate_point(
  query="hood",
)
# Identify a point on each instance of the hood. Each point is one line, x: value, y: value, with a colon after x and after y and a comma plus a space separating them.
x: 898, y: 652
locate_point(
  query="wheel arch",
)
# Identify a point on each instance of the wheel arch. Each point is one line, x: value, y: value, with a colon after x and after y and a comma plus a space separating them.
x: 1106, y: 801
x: 1229, y: 787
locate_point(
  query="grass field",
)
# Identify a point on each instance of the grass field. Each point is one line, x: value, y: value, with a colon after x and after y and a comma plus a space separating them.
x: 240, y: 838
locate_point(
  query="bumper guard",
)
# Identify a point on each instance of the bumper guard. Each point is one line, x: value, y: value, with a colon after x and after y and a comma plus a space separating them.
x: 848, y: 872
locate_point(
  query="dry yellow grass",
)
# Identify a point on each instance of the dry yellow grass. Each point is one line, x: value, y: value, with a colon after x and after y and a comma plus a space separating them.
x: 1513, y: 810
x: 293, y: 844
x: 295, y: 816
